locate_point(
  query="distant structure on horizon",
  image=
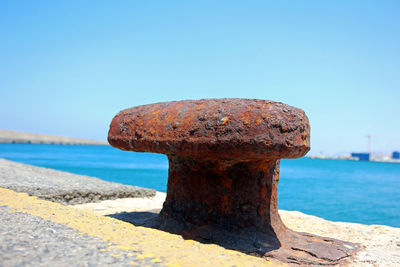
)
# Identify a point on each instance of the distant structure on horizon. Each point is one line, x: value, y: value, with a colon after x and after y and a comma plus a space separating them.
x: 361, y: 156
x: 396, y: 155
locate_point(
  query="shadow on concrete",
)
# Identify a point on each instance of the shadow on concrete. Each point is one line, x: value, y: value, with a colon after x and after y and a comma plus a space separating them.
x: 248, y: 241
x: 137, y: 218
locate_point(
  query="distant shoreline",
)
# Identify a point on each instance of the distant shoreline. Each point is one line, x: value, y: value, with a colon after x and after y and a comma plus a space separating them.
x: 381, y: 160
x: 15, y: 137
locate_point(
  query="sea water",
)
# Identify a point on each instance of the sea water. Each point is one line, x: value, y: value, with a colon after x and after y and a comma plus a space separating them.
x: 350, y: 191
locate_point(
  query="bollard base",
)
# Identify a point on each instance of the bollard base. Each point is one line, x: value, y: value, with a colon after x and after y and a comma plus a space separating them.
x: 298, y: 249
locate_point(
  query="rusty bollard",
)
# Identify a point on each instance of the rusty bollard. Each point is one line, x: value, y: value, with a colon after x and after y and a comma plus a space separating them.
x: 224, y: 157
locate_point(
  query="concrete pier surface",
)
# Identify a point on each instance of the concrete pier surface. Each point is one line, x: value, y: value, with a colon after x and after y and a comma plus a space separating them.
x: 380, y: 244
x: 83, y: 238
x: 40, y: 232
x: 15, y: 137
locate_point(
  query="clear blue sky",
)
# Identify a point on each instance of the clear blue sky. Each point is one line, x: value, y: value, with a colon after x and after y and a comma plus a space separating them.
x: 67, y: 67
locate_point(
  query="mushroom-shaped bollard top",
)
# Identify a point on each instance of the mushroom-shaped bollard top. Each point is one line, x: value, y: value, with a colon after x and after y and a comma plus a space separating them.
x: 224, y: 157
x: 215, y: 128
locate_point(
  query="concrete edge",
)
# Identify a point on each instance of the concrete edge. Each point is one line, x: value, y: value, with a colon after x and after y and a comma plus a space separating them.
x: 91, y: 190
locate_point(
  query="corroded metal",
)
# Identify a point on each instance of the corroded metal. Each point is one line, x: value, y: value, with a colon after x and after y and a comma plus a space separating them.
x: 224, y: 171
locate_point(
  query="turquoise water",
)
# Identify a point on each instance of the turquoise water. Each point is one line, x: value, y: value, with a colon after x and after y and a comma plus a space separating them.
x: 362, y: 192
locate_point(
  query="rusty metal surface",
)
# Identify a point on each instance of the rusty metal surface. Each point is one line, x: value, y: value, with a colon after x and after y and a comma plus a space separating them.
x: 224, y: 172
x: 224, y: 128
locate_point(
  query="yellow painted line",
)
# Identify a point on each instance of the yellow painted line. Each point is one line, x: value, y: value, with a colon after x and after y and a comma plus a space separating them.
x: 157, y: 246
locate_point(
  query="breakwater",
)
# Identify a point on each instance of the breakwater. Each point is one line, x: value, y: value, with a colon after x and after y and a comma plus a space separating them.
x: 15, y: 137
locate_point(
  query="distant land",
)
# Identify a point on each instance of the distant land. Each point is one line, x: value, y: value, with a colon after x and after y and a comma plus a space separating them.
x: 385, y: 158
x: 14, y: 137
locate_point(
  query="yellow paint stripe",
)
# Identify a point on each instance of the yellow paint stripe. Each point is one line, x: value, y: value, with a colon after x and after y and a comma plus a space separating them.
x: 158, y: 246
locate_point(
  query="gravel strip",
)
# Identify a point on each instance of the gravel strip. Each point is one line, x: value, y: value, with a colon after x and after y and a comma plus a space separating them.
x: 28, y: 240
x: 64, y: 187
